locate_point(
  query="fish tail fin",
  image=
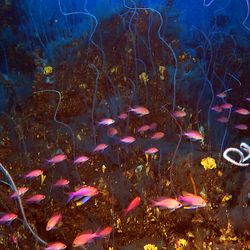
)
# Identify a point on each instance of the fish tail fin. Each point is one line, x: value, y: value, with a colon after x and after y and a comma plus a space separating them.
x: 71, y: 196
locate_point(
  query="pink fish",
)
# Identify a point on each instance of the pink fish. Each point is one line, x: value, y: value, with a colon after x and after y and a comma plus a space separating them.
x: 21, y: 192
x: 106, y: 121
x: 84, y: 238
x: 57, y: 158
x: 242, y: 111
x: 53, y: 221
x: 61, y: 182
x: 111, y: 132
x: 139, y: 110
x: 57, y: 245
x: 241, y: 126
x: 222, y: 119
x: 37, y: 198
x: 226, y: 106
x: 217, y: 108
x: 143, y: 128
x: 192, y: 200
x: 100, y: 147
x: 194, y: 135
x: 179, y: 114
x: 157, y: 135
x: 165, y: 202
x: 152, y: 150
x: 104, y: 232
x: 8, y: 217
x: 83, y: 192
x: 123, y: 116
x: 127, y: 139
x: 221, y: 95
x: 34, y: 173
x: 132, y: 205
x: 81, y: 159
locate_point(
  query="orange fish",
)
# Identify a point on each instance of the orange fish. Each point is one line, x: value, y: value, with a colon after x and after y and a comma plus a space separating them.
x: 100, y: 147
x: 242, y: 111
x: 55, y: 246
x: 111, y: 132
x: 192, y: 201
x: 179, y: 114
x: 132, y: 205
x: 157, y: 135
x: 104, y: 232
x: 21, y: 192
x: 106, y: 121
x: 194, y: 135
x: 84, y: 238
x: 57, y: 158
x: 152, y: 150
x: 35, y: 198
x: 61, y: 182
x: 53, y: 221
x: 8, y: 217
x: 127, y: 139
x: 34, y: 173
x: 165, y: 202
x: 139, y: 110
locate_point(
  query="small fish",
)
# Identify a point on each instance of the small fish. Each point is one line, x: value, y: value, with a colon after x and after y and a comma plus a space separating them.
x: 81, y: 159
x: 192, y: 200
x: 152, y: 150
x: 222, y: 119
x: 111, y: 132
x: 84, y: 238
x: 157, y: 135
x: 8, y: 217
x: 127, y: 139
x: 194, y: 135
x: 132, y: 205
x: 139, y: 110
x: 81, y: 192
x: 21, y: 192
x: 221, y: 95
x: 57, y: 245
x: 104, y: 232
x: 35, y: 198
x: 226, y: 106
x: 34, y: 173
x: 100, y: 147
x: 242, y: 111
x: 61, y: 182
x: 179, y: 114
x: 165, y: 202
x: 106, y: 121
x: 53, y: 221
x: 123, y: 116
x: 57, y: 158
x: 241, y: 126
x: 247, y: 99
x: 143, y: 128
x: 217, y: 108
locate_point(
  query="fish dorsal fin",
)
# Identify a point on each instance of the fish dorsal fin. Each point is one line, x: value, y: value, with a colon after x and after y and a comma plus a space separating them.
x: 184, y: 193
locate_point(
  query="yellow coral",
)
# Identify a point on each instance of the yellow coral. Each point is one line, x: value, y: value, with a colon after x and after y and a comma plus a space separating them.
x: 144, y: 77
x: 150, y: 247
x: 226, y: 198
x: 47, y: 70
x: 180, y: 244
x: 208, y: 163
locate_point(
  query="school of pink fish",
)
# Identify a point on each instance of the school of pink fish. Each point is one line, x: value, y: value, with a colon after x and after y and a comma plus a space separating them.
x: 84, y: 193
